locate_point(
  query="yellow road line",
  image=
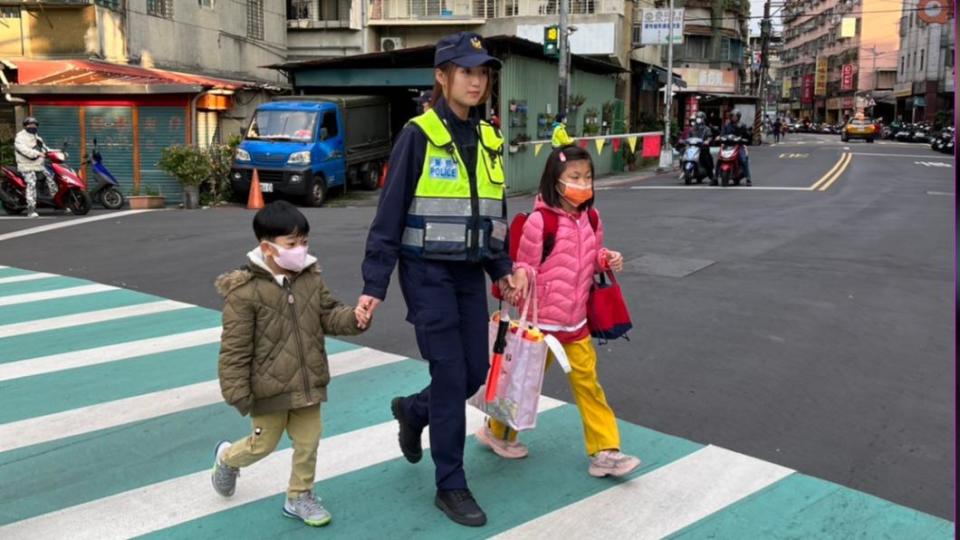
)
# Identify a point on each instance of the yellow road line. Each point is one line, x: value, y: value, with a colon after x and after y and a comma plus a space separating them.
x: 838, y: 174
x: 829, y: 173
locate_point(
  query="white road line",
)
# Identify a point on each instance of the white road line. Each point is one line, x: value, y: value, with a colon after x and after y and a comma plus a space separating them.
x: 661, y: 502
x: 178, y: 500
x: 69, y: 223
x: 740, y: 188
x: 50, y: 295
x: 941, y: 193
x: 926, y: 156
x: 26, y: 277
x: 90, y: 317
x: 65, y: 424
x: 109, y: 353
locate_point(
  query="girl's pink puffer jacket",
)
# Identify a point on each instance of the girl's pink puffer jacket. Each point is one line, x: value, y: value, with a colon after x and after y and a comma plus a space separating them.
x: 564, y: 279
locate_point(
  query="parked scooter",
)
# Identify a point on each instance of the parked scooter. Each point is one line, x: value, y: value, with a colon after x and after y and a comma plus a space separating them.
x: 728, y: 161
x: 690, y: 160
x: 921, y: 134
x: 905, y: 134
x: 71, y: 189
x: 107, y: 193
x: 944, y: 141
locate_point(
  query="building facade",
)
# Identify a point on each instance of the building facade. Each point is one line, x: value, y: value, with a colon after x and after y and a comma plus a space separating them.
x: 926, y: 66
x: 839, y: 58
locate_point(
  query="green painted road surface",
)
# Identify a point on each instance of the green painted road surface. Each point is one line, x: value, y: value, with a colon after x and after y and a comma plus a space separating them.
x: 107, y: 430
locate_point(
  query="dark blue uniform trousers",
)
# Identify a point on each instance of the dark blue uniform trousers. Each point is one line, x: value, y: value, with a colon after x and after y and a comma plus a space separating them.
x: 447, y: 304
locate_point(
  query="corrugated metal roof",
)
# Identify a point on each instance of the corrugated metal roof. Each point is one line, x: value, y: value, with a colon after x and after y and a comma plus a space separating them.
x: 98, y: 73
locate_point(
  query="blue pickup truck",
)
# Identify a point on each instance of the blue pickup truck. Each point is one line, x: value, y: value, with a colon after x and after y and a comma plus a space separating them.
x: 303, y: 146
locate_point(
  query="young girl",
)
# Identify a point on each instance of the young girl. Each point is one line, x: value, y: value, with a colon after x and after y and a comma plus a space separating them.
x: 563, y: 286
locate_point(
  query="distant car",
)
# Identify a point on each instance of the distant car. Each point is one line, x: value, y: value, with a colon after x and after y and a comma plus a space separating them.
x: 859, y: 128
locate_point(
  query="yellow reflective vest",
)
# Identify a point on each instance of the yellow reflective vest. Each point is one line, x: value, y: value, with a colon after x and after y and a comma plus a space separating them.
x: 452, y: 217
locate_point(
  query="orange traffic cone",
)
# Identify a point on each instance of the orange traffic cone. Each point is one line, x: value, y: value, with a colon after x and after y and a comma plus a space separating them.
x: 383, y: 175
x: 255, y: 200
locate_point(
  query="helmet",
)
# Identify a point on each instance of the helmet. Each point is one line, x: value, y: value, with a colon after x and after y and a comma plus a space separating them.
x: 30, y: 120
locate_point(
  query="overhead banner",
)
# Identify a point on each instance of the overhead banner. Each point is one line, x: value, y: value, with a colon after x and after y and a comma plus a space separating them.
x: 846, y: 79
x: 821, y: 79
x: 807, y: 96
x: 787, y: 88
x: 655, y: 26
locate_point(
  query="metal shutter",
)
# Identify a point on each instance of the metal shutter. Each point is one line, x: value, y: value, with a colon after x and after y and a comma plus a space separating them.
x: 160, y: 127
x: 112, y: 127
x: 59, y: 125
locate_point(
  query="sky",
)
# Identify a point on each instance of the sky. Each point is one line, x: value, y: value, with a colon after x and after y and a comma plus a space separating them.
x: 756, y: 10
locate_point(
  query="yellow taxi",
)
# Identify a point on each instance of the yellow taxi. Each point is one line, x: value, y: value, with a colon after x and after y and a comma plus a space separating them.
x: 859, y: 127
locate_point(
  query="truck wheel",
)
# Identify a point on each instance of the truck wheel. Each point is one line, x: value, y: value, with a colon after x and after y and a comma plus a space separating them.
x: 370, y: 178
x: 317, y: 193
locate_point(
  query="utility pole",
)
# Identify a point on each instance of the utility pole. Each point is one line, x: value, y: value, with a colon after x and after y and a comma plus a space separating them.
x: 563, y: 61
x: 765, y: 28
x: 666, y: 151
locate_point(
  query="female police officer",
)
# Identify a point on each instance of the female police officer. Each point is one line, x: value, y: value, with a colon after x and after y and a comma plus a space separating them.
x: 443, y: 214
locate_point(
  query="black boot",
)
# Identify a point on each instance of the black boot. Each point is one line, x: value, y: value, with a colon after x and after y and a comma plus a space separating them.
x: 460, y: 506
x: 409, y: 437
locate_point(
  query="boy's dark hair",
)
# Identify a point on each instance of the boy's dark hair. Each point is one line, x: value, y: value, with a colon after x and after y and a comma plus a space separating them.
x: 554, y: 169
x: 279, y: 218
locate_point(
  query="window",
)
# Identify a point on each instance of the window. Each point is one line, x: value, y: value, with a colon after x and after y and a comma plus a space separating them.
x: 7, y: 12
x: 298, y: 9
x: 115, y: 5
x: 205, y: 4
x: 255, y: 19
x: 948, y: 61
x: 160, y: 8
x: 903, y: 60
x: 920, y: 67
x: 330, y: 123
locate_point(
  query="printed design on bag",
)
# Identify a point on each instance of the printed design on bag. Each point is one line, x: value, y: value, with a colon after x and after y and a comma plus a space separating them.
x: 443, y: 169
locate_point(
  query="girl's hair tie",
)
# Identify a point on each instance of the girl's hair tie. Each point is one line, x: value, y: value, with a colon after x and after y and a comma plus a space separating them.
x: 563, y: 157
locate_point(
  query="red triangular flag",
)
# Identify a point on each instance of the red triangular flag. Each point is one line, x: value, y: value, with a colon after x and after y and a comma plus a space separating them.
x: 583, y: 143
x: 616, y: 144
x: 651, y: 146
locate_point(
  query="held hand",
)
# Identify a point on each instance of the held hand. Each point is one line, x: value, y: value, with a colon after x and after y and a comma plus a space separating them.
x: 615, y: 261
x: 366, y: 305
x: 514, y: 286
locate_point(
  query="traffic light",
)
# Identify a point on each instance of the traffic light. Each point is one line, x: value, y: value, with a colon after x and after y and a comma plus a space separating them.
x: 551, y: 40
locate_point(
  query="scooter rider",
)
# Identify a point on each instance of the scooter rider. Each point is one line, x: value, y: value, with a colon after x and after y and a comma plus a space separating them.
x: 30, y: 151
x: 736, y: 128
x: 703, y: 132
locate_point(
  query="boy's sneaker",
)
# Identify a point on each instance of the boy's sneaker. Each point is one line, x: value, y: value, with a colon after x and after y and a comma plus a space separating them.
x: 307, y: 508
x: 224, y: 476
x: 500, y: 447
x: 409, y: 437
x: 32, y: 215
x: 612, y: 463
x: 460, y: 506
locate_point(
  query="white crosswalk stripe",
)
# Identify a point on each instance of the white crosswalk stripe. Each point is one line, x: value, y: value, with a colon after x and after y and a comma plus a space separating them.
x: 90, y: 317
x: 74, y: 422
x: 182, y: 499
x: 108, y: 353
x: 26, y: 298
x: 25, y: 277
x: 658, y: 503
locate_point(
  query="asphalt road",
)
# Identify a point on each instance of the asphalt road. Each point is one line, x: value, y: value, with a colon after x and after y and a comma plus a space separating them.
x: 809, y: 328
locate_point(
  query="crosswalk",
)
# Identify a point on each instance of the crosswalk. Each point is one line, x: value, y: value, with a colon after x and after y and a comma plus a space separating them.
x: 109, y: 410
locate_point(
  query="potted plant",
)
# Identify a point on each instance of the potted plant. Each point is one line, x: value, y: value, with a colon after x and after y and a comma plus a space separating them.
x: 577, y: 101
x: 152, y: 198
x: 191, y: 166
x: 517, y: 143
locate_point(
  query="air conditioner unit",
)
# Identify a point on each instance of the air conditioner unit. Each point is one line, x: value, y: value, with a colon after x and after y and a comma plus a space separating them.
x: 388, y: 44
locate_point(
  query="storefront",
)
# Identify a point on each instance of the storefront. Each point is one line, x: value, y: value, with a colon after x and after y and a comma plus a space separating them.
x: 132, y: 113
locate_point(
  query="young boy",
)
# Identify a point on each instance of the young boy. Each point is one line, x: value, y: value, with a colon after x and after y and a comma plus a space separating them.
x: 273, y: 363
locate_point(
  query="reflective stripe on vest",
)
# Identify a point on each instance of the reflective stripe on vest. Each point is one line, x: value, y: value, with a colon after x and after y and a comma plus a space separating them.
x: 439, y: 218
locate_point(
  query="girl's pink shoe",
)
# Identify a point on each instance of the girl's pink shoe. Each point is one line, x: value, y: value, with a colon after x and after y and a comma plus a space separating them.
x: 500, y: 447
